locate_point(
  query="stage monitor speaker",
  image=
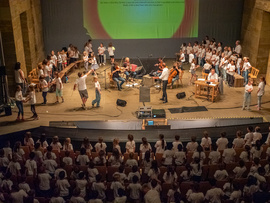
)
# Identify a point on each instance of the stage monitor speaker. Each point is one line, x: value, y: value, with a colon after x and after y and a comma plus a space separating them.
x: 158, y: 113
x: 181, y: 95
x: 121, y: 102
x: 144, y: 94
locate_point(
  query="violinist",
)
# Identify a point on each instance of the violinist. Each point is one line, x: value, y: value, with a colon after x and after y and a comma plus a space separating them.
x: 160, y: 66
x: 127, y: 67
x: 115, y: 70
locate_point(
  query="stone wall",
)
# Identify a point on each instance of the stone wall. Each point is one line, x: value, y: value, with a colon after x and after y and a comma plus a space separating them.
x: 21, y: 28
x: 256, y: 32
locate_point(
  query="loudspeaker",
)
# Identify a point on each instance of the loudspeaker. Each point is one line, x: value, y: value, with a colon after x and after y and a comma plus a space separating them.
x: 121, y: 102
x: 3, y: 71
x: 8, y: 111
x: 181, y: 95
x: 144, y: 94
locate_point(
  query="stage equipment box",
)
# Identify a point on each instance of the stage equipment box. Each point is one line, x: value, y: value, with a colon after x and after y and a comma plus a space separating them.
x: 158, y: 113
x: 148, y: 81
x: 145, y: 112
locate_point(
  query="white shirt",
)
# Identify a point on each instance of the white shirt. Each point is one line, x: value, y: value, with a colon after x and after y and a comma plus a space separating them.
x: 165, y: 74
x: 168, y: 157
x: 30, y: 165
x: 214, y: 195
x: 32, y: 96
x: 42, y: 84
x: 130, y: 146
x: 238, y: 49
x: 179, y: 158
x: 228, y: 155
x: 182, y: 58
x: 100, y: 188
x: 44, y: 181
x: 83, y: 159
x: 246, y: 66
x: 68, y: 160
x: 81, y: 184
x: 59, y: 84
x: 222, y: 143
x: 221, y: 175
x: 152, y: 196
x: 81, y: 83
x: 247, y: 87
x: 214, y: 157
x: 17, y: 197
x: 97, y: 85
x: 194, y: 197
x: 57, y: 200
x: 115, y: 186
x: 63, y: 185
x: 170, y: 178
x: 98, y: 147
x: 46, y: 71
x: 189, y: 49
x: 111, y: 51
x: 56, y: 146
x: 50, y: 165
x: 261, y: 87
x: 14, y: 167
x: 212, y: 77
x: 144, y: 148
x: 158, y: 146
x: 248, y: 138
x: 18, y: 96
x: 175, y: 145
x: 101, y: 50
x: 239, y: 171
x: 135, y: 190
x: 18, y: 78
x: 238, y: 142
x: 244, y: 156
x: 206, y: 142
x: 192, y: 146
x: 190, y: 58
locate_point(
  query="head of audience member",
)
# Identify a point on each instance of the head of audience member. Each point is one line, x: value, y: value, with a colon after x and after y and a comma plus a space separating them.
x: 147, y: 155
x: 193, y: 138
x: 135, y: 179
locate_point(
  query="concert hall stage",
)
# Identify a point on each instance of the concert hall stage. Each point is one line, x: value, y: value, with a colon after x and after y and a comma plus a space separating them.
x: 227, y: 106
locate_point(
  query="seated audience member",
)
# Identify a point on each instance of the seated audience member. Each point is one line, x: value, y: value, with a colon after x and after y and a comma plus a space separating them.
x: 83, y: 158
x: 116, y: 184
x: 14, y: 167
x: 254, y: 167
x: 155, y: 185
x: 221, y: 173
x: 50, y: 164
x: 145, y: 146
x: 63, y: 185
x: 246, y: 155
x: 67, y: 159
x: 179, y: 156
x: 196, y: 169
x: 92, y: 172
x: 240, y: 170
x: 214, y: 155
x: 56, y: 196
x: 87, y: 145
x: 56, y: 145
x: 31, y: 165
x: 135, y: 190
x: 100, y: 160
x: 115, y: 159
x: 262, y: 195
x: 150, y: 195
x: 134, y: 172
x: 215, y: 194
x: 131, y: 161
x: 174, y: 191
x: 194, y: 194
x: 122, y: 198
x: 49, y: 150
x: 99, y: 187
x: 121, y: 173
x: 260, y: 175
x: 94, y: 198
x: 167, y: 157
x: 147, y: 162
x: 176, y: 142
x: 256, y: 150
x: 17, y: 194
x: 116, y: 145
x: 154, y: 171
x: 81, y: 183
x: 199, y: 154
x: 67, y: 146
x: 236, y: 194
x: 229, y: 155
x: 76, y: 196
x: 170, y: 175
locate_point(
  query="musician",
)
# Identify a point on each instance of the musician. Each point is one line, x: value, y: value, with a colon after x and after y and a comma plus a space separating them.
x: 212, y: 77
x: 127, y: 67
x: 160, y: 66
x: 115, y: 70
x: 164, y: 77
x: 176, y: 70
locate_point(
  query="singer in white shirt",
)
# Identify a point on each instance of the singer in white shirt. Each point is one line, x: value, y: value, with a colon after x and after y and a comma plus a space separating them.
x: 164, y: 77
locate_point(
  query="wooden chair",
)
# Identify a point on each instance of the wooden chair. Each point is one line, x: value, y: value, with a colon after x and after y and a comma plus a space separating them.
x: 31, y: 181
x: 205, y: 172
x: 205, y: 186
x: 159, y: 158
x: 179, y: 170
x: 162, y: 171
x: 189, y: 157
x: 26, y: 150
x: 263, y: 162
x: 221, y: 183
x: 241, y: 181
x: 110, y: 171
x: 206, y: 160
x: 68, y: 169
x: 238, y: 152
x: 165, y: 188
x: 109, y: 193
x: 126, y: 156
x: 254, y: 74
x: 263, y: 155
x: 113, y: 84
x: 102, y: 171
x: 212, y: 170
x: 229, y: 167
x: 184, y: 187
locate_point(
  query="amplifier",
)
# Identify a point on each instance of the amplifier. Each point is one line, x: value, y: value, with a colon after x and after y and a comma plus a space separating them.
x: 145, y: 112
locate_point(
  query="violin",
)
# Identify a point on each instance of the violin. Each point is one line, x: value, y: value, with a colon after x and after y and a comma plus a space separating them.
x: 172, y: 74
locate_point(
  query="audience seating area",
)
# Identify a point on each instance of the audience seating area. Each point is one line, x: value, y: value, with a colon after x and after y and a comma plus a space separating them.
x: 107, y: 172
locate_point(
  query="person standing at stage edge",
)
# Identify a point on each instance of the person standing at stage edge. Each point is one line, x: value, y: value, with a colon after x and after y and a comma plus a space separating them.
x: 164, y: 77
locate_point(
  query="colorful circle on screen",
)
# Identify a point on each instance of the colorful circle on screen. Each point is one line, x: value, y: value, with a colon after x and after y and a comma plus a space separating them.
x: 129, y: 19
